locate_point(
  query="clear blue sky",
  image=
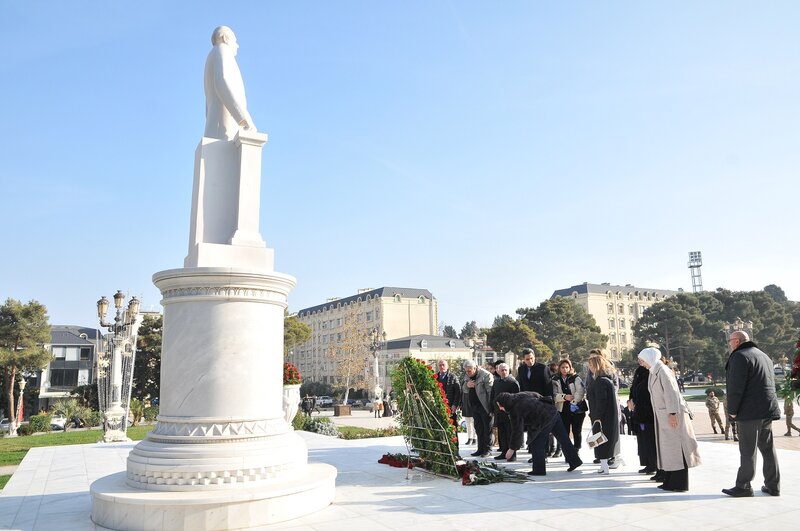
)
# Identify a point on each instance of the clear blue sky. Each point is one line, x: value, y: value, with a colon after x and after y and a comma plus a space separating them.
x: 490, y: 152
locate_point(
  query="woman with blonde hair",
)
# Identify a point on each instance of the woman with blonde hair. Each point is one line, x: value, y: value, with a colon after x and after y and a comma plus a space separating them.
x: 676, y: 446
x: 604, y: 409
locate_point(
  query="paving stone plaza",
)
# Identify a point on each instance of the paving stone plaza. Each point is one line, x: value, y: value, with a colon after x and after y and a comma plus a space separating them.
x: 50, y: 490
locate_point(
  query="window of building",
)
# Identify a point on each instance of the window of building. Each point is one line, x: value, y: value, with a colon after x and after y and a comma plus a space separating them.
x: 608, y: 294
x: 73, y: 354
x: 64, y: 378
x: 630, y: 309
x: 83, y: 377
x: 612, y: 323
x: 59, y: 353
x: 421, y: 299
x: 622, y: 323
x: 369, y: 316
x: 623, y: 338
x: 424, y: 343
x: 86, y: 353
x: 614, y: 353
x: 621, y: 308
x: 397, y: 298
x: 613, y: 337
x: 610, y: 308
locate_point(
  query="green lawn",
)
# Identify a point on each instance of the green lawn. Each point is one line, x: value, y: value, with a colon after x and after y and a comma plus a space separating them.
x: 4, y: 480
x: 13, y: 449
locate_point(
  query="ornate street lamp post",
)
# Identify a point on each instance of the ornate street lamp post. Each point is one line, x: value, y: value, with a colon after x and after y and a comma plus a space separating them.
x: 122, y: 336
x: 377, y: 341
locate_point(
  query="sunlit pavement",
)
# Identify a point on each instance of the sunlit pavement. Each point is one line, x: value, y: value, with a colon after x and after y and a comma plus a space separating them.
x: 50, y: 491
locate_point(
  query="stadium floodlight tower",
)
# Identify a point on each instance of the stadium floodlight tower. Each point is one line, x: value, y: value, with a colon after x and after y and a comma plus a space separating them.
x: 695, y: 262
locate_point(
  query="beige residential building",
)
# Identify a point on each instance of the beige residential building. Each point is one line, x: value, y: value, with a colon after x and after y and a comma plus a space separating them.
x: 392, y: 312
x: 615, y: 309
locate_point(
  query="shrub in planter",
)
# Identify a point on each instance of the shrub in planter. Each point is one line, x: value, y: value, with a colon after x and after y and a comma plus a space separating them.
x: 36, y: 424
x: 150, y: 413
x: 93, y: 419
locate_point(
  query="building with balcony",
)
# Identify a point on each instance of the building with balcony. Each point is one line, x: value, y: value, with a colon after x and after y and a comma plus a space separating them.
x: 615, y: 309
x: 391, y: 312
x: 74, y: 350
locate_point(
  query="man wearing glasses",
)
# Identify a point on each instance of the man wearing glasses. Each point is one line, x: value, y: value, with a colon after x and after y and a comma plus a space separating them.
x: 753, y: 404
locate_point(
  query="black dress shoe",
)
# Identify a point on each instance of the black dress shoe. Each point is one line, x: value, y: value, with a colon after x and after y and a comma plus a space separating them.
x: 596, y: 461
x: 475, y: 454
x: 500, y: 457
x: 532, y: 473
x: 738, y: 492
x: 530, y: 460
x: 573, y: 467
x: 771, y: 492
x: 513, y: 457
x: 646, y: 470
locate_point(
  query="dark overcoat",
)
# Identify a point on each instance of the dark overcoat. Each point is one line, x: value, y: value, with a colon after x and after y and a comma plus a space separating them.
x: 751, y: 384
x: 604, y: 407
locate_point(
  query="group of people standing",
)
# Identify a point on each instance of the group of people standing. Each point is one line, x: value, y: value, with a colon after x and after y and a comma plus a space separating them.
x: 551, y: 410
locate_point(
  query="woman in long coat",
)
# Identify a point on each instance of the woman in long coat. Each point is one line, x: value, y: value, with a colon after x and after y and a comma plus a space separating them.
x: 676, y: 446
x: 643, y: 421
x: 603, y: 407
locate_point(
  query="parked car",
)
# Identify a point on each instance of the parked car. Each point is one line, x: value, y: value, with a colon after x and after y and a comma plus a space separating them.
x: 5, y: 425
x: 58, y: 420
x: 324, y: 401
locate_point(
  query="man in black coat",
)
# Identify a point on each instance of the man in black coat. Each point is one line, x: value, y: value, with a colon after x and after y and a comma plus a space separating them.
x: 503, y: 383
x: 541, y: 418
x: 452, y: 389
x: 752, y: 402
x: 533, y: 376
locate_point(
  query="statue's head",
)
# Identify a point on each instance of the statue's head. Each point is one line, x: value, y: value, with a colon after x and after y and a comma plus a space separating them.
x: 224, y: 35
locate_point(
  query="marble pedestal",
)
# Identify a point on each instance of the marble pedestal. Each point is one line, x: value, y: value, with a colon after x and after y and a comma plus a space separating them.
x: 222, y: 455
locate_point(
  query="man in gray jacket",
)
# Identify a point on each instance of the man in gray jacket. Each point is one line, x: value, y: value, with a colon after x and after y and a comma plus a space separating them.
x: 753, y: 404
x: 478, y: 384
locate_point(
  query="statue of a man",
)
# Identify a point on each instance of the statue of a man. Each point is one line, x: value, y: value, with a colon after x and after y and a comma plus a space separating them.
x: 226, y: 104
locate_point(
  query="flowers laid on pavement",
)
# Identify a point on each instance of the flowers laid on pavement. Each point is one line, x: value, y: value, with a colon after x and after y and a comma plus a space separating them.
x: 485, y: 473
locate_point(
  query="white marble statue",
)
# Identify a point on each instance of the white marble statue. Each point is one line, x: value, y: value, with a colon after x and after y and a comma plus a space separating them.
x: 226, y: 104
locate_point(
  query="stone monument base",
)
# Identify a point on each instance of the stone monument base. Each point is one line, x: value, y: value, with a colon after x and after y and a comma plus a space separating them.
x: 116, y: 505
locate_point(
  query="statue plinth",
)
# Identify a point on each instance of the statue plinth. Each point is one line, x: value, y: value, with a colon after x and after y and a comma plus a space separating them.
x: 222, y: 454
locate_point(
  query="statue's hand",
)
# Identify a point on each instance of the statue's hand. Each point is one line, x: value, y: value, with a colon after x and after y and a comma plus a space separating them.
x: 247, y: 124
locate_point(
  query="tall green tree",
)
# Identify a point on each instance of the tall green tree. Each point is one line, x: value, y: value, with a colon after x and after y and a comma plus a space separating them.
x: 295, y: 333
x: 24, y: 330
x: 563, y: 325
x: 147, y: 366
x: 515, y: 335
x: 470, y: 330
x: 450, y: 332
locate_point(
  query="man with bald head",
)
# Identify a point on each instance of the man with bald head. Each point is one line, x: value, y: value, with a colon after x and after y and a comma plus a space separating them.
x: 226, y: 104
x: 753, y: 404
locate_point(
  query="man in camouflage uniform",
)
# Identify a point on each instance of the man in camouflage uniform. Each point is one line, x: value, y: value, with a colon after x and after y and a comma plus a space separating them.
x: 712, y: 404
x: 730, y: 424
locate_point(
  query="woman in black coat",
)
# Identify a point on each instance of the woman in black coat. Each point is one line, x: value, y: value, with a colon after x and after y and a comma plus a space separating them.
x: 604, y: 407
x: 643, y: 421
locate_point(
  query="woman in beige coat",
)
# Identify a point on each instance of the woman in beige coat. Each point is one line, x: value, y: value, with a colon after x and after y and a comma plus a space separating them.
x: 676, y: 446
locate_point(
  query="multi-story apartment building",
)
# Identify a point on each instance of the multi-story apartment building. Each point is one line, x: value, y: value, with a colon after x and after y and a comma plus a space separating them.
x: 615, y: 309
x: 392, y: 312
x: 74, y: 351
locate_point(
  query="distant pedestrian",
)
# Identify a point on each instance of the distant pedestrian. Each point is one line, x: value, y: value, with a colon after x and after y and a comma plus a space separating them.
x: 752, y: 402
x: 712, y: 404
x: 730, y: 424
x: 788, y: 410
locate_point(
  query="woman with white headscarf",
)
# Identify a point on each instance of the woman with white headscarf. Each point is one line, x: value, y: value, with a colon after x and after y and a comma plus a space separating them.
x: 676, y: 446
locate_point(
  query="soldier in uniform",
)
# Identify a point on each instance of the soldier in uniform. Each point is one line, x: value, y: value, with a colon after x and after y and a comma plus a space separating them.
x: 712, y: 404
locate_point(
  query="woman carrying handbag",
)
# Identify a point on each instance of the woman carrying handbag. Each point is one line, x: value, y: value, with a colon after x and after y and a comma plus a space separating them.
x: 603, y: 411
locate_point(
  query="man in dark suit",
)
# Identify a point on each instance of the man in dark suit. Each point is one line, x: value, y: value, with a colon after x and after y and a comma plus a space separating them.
x: 533, y: 376
x: 452, y: 390
x: 752, y: 402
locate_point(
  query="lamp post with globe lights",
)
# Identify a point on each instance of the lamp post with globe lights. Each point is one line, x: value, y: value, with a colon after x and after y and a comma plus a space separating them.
x: 378, y: 339
x: 115, y: 368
